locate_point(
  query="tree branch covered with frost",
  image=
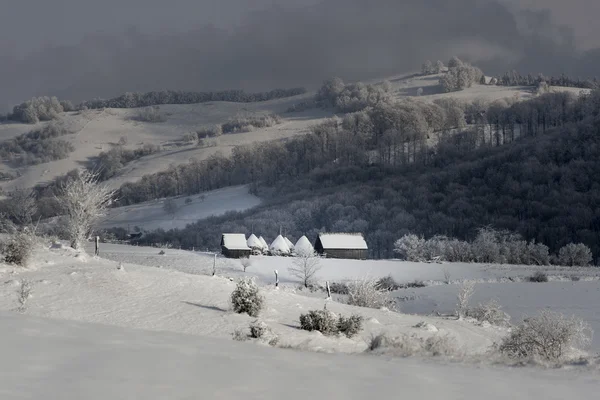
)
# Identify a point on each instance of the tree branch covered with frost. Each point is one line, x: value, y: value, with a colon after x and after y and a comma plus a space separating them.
x: 464, y: 295
x: 366, y: 292
x: 84, y: 201
x: 305, y: 266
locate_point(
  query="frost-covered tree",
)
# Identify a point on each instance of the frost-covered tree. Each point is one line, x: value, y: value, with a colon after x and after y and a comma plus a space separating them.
x: 410, y: 247
x: 246, y: 298
x: 454, y: 62
x: 575, y: 255
x: 305, y: 266
x: 439, y: 67
x: 427, y: 68
x: 84, y: 201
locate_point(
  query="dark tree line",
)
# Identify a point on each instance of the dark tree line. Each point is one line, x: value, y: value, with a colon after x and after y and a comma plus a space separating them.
x: 387, y: 134
x: 133, y: 100
x: 514, y: 78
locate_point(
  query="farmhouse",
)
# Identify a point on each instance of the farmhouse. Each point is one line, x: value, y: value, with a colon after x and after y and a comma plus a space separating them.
x: 233, y: 245
x: 342, y: 245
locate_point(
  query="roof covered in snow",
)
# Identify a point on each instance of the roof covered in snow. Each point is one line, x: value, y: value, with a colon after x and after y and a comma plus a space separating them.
x: 343, y: 241
x: 254, y: 243
x: 234, y: 241
x: 280, y: 245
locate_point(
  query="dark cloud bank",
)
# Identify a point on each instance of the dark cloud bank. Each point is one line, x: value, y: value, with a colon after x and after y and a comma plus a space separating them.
x: 283, y: 46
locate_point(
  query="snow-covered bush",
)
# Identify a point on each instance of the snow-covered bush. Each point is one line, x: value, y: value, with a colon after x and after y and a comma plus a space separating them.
x: 489, y: 312
x: 328, y: 323
x: 323, y: 321
x: 575, y: 255
x: 24, y: 294
x: 412, y: 345
x: 410, y: 247
x: 486, y: 247
x: 539, y: 276
x: 387, y: 283
x: 464, y: 295
x: 458, y: 251
x: 338, y: 288
x: 435, y: 248
x: 350, y: 326
x: 149, y: 114
x: 364, y: 293
x: 246, y: 298
x: 548, y: 336
x: 537, y: 254
x: 19, y: 247
x: 260, y: 330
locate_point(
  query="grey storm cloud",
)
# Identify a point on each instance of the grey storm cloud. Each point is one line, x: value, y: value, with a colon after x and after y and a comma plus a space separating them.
x: 80, y: 51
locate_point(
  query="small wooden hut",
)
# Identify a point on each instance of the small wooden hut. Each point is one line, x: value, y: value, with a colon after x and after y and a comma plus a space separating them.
x: 234, y: 245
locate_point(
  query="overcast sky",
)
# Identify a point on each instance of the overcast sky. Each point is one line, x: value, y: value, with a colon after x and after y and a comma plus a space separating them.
x: 81, y: 49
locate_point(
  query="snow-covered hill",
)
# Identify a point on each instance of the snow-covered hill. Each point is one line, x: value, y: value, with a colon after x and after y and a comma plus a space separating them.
x: 96, y: 131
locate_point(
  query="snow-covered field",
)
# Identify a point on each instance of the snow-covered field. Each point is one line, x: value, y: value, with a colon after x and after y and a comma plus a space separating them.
x: 165, y: 332
x: 50, y: 359
x: 151, y: 215
x: 495, y: 282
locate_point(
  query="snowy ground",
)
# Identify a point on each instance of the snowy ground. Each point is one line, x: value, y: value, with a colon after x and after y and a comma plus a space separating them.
x: 50, y: 359
x: 151, y: 215
x: 166, y: 333
x: 518, y: 298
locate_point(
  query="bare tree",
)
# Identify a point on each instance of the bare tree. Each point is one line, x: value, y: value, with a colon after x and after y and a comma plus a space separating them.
x: 305, y: 266
x: 84, y: 201
x: 464, y: 295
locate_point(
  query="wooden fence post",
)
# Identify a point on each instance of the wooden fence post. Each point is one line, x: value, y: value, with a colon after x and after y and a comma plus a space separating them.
x: 276, y: 279
x: 328, y: 290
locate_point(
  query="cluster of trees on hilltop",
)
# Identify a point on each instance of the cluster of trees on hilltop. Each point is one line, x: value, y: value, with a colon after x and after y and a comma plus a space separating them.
x: 460, y: 76
x: 133, y: 100
x: 352, y: 97
x: 38, y: 146
x: 109, y: 163
x: 514, y: 78
x: 39, y: 109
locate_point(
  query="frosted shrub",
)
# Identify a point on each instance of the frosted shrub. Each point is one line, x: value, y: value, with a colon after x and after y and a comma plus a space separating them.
x: 260, y: 330
x: 537, y: 254
x: 435, y: 248
x: 575, y: 255
x: 489, y: 312
x: 19, y: 248
x: 548, y: 336
x: 485, y: 247
x: 410, y: 247
x: 246, y: 262
x: 328, y: 323
x: 350, y: 326
x: 246, y: 298
x: 464, y: 295
x: 538, y: 277
x: 320, y: 320
x: 408, y: 346
x: 365, y: 293
x: 387, y: 283
x: 150, y: 114
x: 458, y: 251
